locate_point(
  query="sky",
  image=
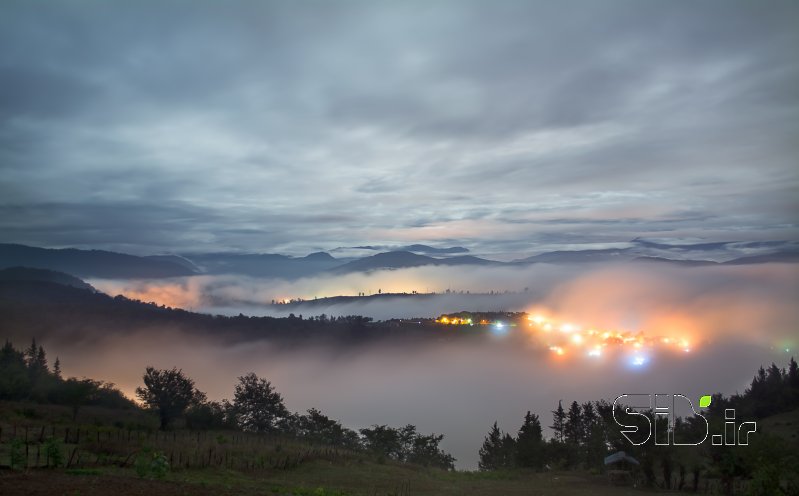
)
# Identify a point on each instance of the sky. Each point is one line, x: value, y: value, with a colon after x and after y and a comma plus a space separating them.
x: 291, y: 127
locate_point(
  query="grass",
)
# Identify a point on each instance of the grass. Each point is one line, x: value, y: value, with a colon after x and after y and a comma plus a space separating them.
x: 784, y: 425
x: 319, y: 473
x: 320, y: 478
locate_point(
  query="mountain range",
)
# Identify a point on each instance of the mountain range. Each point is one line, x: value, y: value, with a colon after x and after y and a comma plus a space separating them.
x: 113, y: 265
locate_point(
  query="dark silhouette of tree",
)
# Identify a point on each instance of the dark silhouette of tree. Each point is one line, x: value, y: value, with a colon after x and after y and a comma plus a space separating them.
x: 77, y: 393
x: 209, y: 415
x: 491, y: 451
x: 559, y: 422
x: 425, y: 451
x: 530, y: 443
x: 169, y: 392
x: 573, y: 429
x: 508, y: 451
x: 15, y: 382
x: 498, y: 450
x: 257, y: 406
x: 383, y: 441
x: 318, y: 428
x: 57, y: 368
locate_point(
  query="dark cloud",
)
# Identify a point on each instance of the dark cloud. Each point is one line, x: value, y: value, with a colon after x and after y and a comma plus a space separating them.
x: 281, y: 126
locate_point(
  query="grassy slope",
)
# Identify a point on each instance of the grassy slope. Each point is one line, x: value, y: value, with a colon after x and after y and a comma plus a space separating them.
x: 318, y: 479
x: 349, y: 475
x: 784, y: 425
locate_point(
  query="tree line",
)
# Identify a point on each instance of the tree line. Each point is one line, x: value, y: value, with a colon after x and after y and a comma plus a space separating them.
x: 584, y: 434
x: 258, y: 407
x: 170, y: 394
x: 26, y: 375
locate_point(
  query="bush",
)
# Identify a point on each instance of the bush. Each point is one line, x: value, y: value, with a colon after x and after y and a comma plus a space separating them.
x: 54, y: 452
x: 151, y: 464
x: 16, y: 453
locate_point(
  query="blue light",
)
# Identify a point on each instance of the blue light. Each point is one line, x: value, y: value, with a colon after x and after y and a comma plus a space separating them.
x: 638, y: 361
x: 499, y: 329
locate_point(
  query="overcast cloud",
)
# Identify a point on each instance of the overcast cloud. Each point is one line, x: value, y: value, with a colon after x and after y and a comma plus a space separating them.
x: 297, y: 126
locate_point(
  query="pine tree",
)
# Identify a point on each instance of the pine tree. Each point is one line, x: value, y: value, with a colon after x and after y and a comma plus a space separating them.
x: 589, y: 420
x: 508, y: 451
x: 792, y: 383
x: 529, y: 443
x: 574, y: 424
x: 57, y: 368
x: 41, y: 360
x: 491, y: 451
x: 559, y: 422
x: 31, y: 353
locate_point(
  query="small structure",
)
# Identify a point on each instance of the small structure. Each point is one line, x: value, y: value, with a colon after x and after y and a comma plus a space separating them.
x: 622, y: 465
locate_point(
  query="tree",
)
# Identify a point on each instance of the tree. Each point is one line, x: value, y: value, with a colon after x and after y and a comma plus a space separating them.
x: 573, y: 429
x: 383, y: 441
x: 425, y: 452
x: 491, y: 451
x: 14, y: 379
x: 208, y: 416
x: 319, y: 428
x: 169, y: 392
x: 257, y: 406
x: 76, y: 393
x: 589, y: 419
x: 559, y: 422
x: 529, y: 443
x: 498, y: 450
x: 57, y: 368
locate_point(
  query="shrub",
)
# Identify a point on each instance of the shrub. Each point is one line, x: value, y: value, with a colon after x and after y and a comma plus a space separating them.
x: 54, y: 452
x: 151, y: 464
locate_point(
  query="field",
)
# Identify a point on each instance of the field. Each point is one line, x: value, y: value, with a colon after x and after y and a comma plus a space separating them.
x: 316, y: 478
x: 112, y: 452
x: 122, y: 453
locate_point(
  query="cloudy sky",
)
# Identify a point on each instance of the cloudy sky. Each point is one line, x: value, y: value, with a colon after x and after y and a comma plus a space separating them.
x: 296, y: 126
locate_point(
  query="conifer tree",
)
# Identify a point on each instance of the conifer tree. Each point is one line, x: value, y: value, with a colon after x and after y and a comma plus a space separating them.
x: 491, y: 451
x: 529, y: 443
x: 559, y: 422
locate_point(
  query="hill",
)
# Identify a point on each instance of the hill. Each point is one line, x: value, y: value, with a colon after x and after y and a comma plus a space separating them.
x: 90, y: 263
x: 406, y: 259
x: 47, y: 309
x: 19, y: 274
x: 264, y: 265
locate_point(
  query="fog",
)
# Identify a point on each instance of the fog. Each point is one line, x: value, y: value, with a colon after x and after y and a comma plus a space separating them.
x: 753, y: 302
x: 738, y: 317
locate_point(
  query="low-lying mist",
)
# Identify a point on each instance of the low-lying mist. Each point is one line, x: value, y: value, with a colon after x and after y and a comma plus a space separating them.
x: 755, y: 301
x: 739, y: 317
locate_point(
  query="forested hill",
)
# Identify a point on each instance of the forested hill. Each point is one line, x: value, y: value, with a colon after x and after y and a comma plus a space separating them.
x: 43, y: 308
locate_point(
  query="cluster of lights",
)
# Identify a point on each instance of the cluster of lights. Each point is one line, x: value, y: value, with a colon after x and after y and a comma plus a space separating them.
x: 566, y: 338
x: 454, y: 320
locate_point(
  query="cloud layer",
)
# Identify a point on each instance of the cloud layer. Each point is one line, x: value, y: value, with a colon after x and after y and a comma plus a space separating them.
x: 284, y: 126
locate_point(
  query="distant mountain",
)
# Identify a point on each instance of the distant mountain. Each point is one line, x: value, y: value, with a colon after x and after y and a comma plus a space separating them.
x: 685, y: 263
x: 580, y: 256
x: 720, y: 245
x: 176, y: 259
x: 406, y: 259
x: 781, y: 257
x: 264, y: 265
x: 90, y: 263
x: 27, y: 274
x: 320, y: 256
x: 432, y: 250
x: 641, y: 250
